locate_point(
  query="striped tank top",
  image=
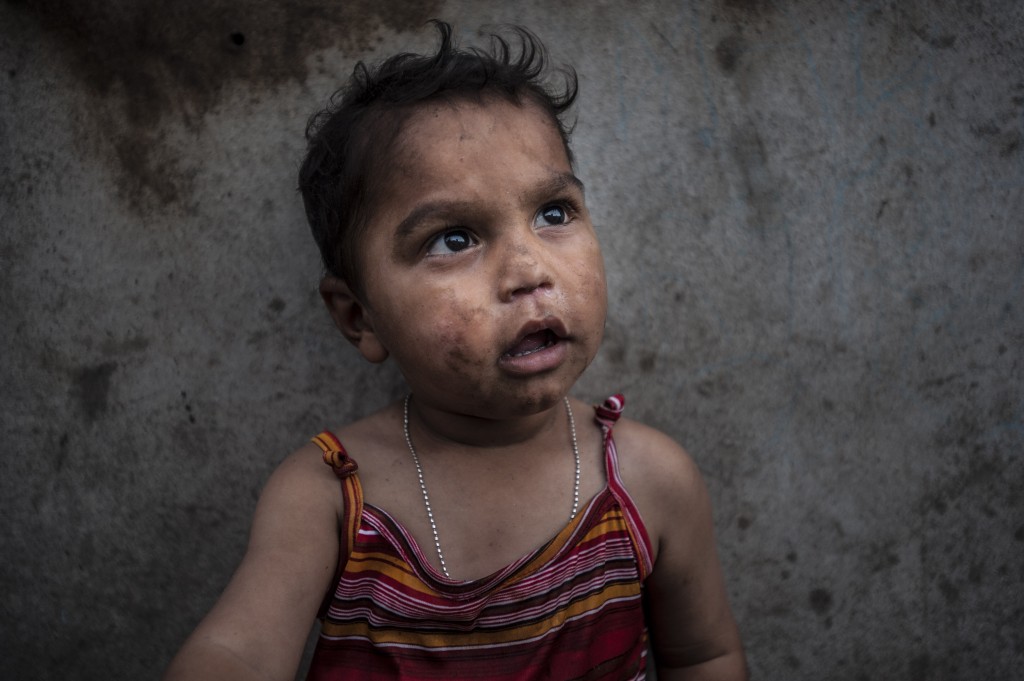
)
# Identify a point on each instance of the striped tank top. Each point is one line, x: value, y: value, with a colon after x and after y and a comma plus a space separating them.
x: 572, y: 609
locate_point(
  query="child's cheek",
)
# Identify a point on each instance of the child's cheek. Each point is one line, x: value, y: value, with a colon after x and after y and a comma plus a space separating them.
x: 461, y: 333
x: 591, y: 283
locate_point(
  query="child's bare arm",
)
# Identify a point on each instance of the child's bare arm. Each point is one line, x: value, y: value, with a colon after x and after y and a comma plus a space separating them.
x: 693, y: 633
x: 259, y: 625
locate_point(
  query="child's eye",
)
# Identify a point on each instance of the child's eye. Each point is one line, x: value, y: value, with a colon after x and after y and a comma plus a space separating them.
x: 452, y: 241
x: 553, y: 215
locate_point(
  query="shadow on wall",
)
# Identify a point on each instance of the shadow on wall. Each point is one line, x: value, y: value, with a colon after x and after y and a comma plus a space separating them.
x: 144, y: 63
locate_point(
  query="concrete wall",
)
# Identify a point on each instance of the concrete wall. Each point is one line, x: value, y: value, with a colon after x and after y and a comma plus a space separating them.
x: 811, y: 213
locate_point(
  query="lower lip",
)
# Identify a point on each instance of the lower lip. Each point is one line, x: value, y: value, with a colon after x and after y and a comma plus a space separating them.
x: 536, y: 362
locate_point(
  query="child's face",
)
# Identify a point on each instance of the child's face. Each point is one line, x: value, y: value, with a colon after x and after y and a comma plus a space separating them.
x: 483, y: 276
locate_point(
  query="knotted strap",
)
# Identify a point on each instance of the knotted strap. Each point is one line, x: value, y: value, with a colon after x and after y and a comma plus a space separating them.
x: 609, y: 412
x: 335, y: 455
x: 345, y: 468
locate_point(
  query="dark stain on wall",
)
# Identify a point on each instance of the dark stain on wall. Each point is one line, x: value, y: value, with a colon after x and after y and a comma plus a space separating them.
x: 883, y: 556
x: 62, y: 453
x: 648, y: 361
x: 820, y: 601
x: 728, y: 52
x: 1008, y: 141
x: 940, y: 42
x: 188, y: 407
x: 919, y: 668
x: 1011, y: 145
x: 750, y: 6
x: 950, y: 593
x: 91, y: 386
x: 151, y: 65
x: 761, y: 188
x: 132, y: 344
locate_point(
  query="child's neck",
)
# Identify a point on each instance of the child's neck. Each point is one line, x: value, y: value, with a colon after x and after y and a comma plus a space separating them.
x: 436, y: 428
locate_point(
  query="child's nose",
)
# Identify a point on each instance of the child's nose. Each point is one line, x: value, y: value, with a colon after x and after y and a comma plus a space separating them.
x: 524, y: 269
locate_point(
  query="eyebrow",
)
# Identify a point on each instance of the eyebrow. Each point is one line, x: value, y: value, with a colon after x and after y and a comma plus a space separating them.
x: 557, y: 183
x: 561, y: 181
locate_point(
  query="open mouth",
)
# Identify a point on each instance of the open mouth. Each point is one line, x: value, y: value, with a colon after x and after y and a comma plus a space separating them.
x: 533, y: 342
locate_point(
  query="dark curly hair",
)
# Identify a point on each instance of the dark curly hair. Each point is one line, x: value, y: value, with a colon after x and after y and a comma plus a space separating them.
x: 349, y: 141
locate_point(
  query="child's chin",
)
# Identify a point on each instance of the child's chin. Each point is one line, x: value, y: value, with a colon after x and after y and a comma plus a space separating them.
x: 539, y: 397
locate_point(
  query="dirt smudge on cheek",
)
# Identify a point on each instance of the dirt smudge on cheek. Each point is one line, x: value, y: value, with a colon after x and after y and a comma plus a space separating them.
x: 591, y: 299
x: 456, y: 359
x: 461, y: 334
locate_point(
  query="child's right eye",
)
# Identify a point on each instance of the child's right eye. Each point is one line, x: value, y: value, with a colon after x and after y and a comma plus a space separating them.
x: 452, y: 241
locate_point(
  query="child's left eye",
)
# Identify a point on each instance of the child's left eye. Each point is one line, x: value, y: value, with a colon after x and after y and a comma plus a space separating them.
x: 452, y: 241
x: 553, y: 215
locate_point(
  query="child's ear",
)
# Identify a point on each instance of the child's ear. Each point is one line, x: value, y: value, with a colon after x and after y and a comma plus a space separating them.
x: 352, y: 317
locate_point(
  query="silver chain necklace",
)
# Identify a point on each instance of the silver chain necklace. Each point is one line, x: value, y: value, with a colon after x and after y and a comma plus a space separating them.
x: 423, y: 485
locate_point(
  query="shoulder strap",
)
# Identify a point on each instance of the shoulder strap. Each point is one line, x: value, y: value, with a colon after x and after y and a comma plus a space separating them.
x: 607, y: 415
x: 345, y: 468
x: 609, y: 412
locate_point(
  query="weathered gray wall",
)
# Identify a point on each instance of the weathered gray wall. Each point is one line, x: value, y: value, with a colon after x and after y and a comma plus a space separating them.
x: 811, y: 213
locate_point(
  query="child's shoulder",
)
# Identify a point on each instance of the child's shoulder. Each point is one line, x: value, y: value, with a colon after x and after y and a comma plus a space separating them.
x: 687, y: 607
x: 309, y: 464
x: 660, y: 476
x: 651, y: 458
x: 377, y: 445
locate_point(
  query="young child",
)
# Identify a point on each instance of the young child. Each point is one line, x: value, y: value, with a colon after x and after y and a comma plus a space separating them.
x: 508, y: 531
